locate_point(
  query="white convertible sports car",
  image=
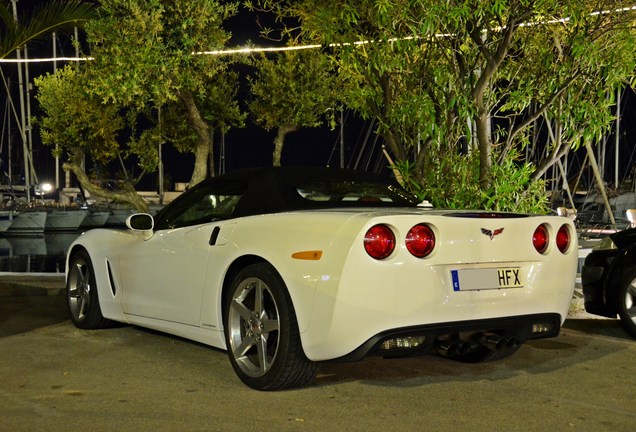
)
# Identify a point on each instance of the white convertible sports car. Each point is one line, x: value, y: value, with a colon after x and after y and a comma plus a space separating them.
x: 286, y: 268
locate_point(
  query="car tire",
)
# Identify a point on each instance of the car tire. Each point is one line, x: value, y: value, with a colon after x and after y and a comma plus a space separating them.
x: 81, y: 294
x: 261, y: 332
x: 626, y: 302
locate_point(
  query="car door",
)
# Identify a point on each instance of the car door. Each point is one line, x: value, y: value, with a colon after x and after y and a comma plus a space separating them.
x: 163, y: 276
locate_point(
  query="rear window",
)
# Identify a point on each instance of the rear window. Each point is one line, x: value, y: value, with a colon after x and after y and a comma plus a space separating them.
x: 353, y: 191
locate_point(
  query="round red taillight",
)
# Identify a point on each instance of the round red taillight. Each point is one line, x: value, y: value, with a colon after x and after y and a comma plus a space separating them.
x: 540, y: 238
x: 563, y: 238
x: 379, y: 242
x: 420, y: 240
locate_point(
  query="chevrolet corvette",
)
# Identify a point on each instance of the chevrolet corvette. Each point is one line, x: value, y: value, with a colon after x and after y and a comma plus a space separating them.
x: 286, y: 268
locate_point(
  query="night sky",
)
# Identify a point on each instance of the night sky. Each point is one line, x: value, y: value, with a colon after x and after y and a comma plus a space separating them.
x: 247, y: 147
x: 252, y: 146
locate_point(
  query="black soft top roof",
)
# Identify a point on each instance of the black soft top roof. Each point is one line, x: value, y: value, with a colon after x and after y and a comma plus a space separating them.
x: 276, y: 189
x: 273, y: 190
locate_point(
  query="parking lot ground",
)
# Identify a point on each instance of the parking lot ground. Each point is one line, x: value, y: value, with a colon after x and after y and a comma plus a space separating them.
x: 54, y: 377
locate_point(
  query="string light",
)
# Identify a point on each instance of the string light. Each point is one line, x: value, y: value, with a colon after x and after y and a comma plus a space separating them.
x: 255, y: 50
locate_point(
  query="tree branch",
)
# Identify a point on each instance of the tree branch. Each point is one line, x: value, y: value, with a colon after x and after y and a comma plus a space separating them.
x: 128, y: 195
x: 531, y: 118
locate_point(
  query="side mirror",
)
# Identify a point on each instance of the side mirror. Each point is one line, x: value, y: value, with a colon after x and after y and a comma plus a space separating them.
x: 141, y: 222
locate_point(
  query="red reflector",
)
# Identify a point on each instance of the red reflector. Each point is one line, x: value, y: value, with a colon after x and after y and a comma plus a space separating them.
x: 420, y: 240
x: 563, y: 238
x: 379, y: 242
x: 540, y: 239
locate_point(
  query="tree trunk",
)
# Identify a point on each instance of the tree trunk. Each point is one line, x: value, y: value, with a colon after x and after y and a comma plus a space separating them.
x: 485, y: 149
x: 493, y: 58
x: 279, y: 142
x: 203, y: 151
x: 394, y: 144
x: 391, y: 140
x: 599, y: 182
x: 211, y: 154
x: 127, y: 195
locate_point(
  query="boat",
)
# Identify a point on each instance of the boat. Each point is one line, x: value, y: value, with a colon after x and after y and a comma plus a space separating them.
x: 117, y: 218
x: 28, y: 222
x: 6, y: 218
x: 95, y: 219
x: 64, y: 220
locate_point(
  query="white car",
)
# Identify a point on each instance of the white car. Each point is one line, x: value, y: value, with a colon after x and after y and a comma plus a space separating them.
x: 286, y: 268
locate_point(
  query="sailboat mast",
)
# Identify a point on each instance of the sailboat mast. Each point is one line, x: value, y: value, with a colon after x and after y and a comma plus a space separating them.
x: 25, y: 147
x: 618, y: 132
x: 57, y: 158
x: 29, y: 127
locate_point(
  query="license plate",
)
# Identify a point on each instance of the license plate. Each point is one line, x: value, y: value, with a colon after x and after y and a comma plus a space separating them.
x: 486, y: 278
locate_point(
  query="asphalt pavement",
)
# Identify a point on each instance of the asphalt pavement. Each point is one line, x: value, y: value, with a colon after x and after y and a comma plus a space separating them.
x: 54, y: 377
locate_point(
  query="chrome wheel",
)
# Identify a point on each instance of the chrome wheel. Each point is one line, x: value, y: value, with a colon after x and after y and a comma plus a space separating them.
x: 79, y: 289
x: 81, y: 294
x: 630, y: 301
x: 261, y: 331
x: 627, y: 302
x: 254, y: 327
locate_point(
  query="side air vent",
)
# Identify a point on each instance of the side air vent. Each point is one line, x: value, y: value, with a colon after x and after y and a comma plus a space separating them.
x: 111, y: 280
x: 214, y: 236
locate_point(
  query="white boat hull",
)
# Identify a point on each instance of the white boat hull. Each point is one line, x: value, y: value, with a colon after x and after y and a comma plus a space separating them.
x: 28, y: 222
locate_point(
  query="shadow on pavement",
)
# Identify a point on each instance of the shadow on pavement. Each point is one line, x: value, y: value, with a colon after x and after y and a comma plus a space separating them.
x: 20, y: 314
x: 597, y: 327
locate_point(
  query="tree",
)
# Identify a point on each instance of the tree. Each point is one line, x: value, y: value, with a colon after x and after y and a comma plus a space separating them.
x: 295, y: 89
x: 439, y: 76
x: 220, y: 110
x: 80, y: 125
x: 52, y: 15
x: 146, y: 56
x: 144, y: 87
x: 523, y: 59
x: 392, y: 78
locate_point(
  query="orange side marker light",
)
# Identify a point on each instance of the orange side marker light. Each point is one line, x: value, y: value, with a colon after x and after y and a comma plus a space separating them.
x: 308, y: 255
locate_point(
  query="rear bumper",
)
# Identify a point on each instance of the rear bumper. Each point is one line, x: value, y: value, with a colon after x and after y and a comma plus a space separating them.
x: 519, y: 328
x: 361, y: 311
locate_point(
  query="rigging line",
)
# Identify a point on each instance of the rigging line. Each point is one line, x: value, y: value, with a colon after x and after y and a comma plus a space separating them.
x: 354, y: 150
x: 630, y: 163
x: 622, y: 109
x: 5, y: 115
x: 10, y: 99
x: 379, y: 155
x: 367, y: 135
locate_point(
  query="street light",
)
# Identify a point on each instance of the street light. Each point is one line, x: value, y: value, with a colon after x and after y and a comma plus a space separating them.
x: 43, y: 189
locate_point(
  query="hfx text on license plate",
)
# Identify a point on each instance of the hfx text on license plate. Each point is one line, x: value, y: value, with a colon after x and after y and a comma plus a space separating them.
x: 486, y: 278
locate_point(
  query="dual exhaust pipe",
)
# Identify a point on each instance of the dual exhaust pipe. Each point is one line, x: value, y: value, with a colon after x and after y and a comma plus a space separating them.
x: 453, y: 347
